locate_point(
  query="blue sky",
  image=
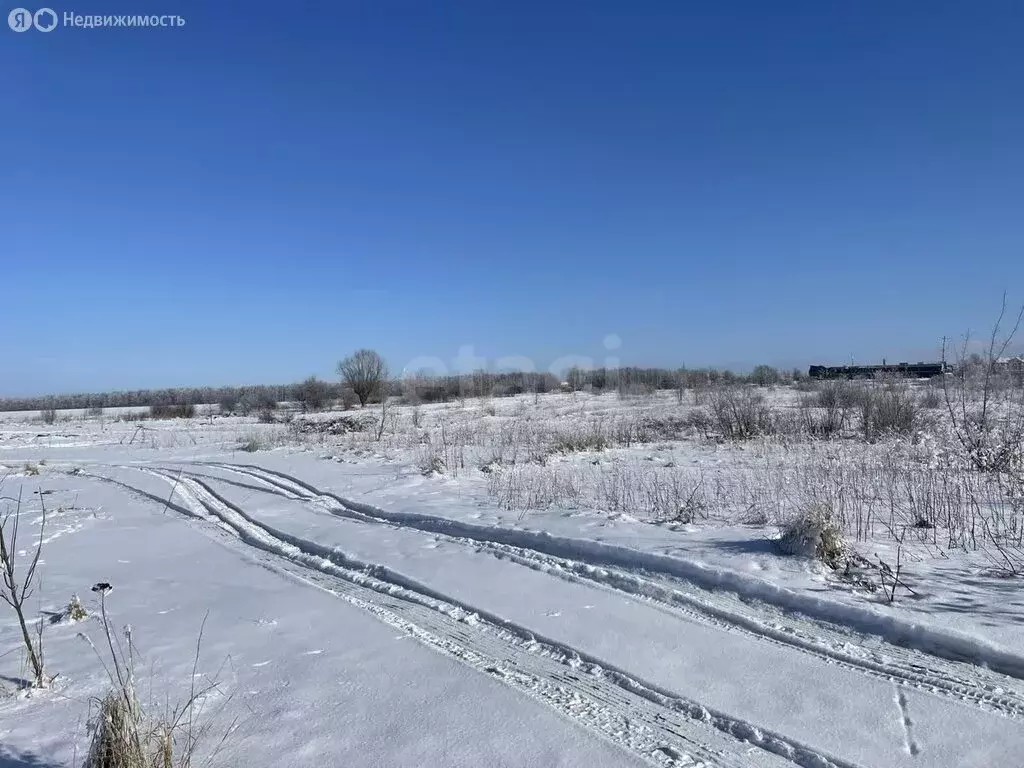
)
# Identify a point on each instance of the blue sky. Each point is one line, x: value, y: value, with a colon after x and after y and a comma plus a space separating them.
x: 251, y: 196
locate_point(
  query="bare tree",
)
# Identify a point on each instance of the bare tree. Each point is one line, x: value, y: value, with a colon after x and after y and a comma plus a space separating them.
x: 365, y: 372
x: 16, y: 589
x: 680, y: 382
x: 576, y: 377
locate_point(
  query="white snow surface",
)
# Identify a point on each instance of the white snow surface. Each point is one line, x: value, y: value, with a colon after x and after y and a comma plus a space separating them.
x: 357, y: 612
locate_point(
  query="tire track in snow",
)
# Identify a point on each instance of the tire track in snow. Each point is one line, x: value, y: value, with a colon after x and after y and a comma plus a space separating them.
x: 656, y: 724
x: 960, y: 681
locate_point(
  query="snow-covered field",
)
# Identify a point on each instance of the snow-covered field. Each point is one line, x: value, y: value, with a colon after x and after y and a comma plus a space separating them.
x: 564, y: 580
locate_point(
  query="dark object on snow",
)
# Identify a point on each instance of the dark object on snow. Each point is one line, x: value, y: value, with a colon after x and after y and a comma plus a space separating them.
x: 102, y: 587
x: 922, y: 523
x: 338, y: 425
x: 901, y: 370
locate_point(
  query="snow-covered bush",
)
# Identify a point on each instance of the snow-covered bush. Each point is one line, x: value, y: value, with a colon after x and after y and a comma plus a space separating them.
x: 74, y: 611
x: 811, y: 532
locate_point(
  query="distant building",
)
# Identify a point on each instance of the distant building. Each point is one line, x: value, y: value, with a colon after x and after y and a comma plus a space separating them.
x: 1010, y: 365
x: 901, y: 370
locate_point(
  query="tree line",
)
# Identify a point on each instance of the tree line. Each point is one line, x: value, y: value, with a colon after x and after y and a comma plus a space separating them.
x: 364, y: 377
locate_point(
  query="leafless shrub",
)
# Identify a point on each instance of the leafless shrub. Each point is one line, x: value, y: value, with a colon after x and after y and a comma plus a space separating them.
x: 680, y: 385
x: 651, y: 492
x: 656, y: 493
x: 313, y: 394
x: 429, y: 460
x: 445, y: 449
x: 634, y: 389
x: 602, y: 432
x: 652, y: 429
x: 740, y: 413
x: 823, y: 417
x: 1006, y: 552
x: 125, y: 733
x: 591, y: 437
x: 802, y: 383
x: 529, y: 486
x: 876, y: 489
x: 254, y: 441
x: 765, y: 376
x: 348, y: 399
x: 133, y: 416
x: 700, y: 421
x: 931, y: 399
x: 17, y: 588
x: 388, y: 418
x: 256, y: 399
x: 890, y: 577
x: 48, y: 415
x: 701, y: 393
x: 95, y: 411
x: 987, y: 415
x: 839, y: 395
x: 576, y: 379
x: 228, y: 402
x: 892, y: 410
x: 172, y: 411
x: 338, y: 425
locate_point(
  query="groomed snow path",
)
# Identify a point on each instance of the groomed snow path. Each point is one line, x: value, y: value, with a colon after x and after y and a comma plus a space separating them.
x: 664, y: 667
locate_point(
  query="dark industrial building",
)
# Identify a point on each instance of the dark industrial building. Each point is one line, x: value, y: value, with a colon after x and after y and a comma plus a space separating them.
x: 902, y: 370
